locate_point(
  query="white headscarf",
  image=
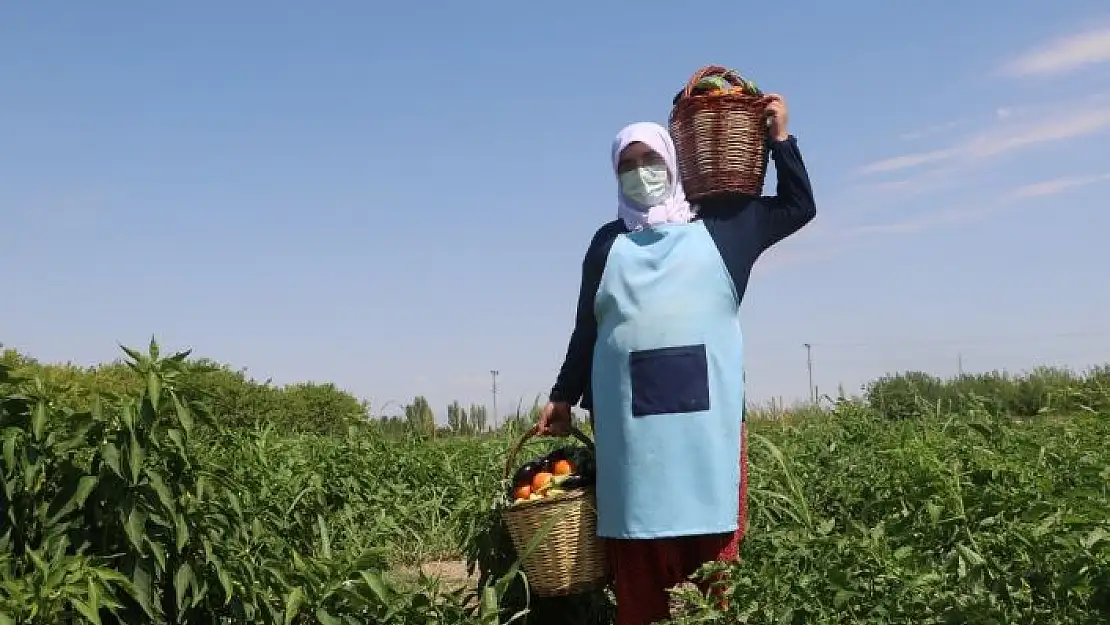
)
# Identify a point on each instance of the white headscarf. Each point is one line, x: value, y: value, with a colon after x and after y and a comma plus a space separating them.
x: 673, y: 208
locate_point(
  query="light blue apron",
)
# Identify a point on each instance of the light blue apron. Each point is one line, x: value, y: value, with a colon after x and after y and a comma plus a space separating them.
x: 667, y: 386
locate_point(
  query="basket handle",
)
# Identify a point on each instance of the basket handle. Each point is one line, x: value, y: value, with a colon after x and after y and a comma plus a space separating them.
x: 510, y: 460
x: 711, y: 70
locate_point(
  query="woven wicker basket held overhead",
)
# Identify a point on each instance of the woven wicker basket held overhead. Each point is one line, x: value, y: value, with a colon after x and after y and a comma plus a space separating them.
x: 720, y: 136
x: 567, y: 557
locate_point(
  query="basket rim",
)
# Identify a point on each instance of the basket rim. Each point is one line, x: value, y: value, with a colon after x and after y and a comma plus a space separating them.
x: 564, y: 497
x: 713, y: 103
x: 719, y: 96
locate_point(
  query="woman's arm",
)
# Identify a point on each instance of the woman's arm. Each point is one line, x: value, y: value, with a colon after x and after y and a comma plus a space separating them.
x: 573, y: 380
x: 574, y: 375
x: 793, y: 205
x: 744, y: 226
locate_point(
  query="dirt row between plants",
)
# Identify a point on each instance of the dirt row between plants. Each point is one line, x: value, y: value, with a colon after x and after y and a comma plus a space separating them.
x: 453, y: 575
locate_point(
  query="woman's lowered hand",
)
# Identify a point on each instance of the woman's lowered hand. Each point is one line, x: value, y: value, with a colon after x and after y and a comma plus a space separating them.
x: 555, y: 419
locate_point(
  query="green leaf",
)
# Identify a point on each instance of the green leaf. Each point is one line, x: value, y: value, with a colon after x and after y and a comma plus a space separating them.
x: 109, y: 453
x: 142, y: 583
x: 93, y: 591
x: 181, y: 582
x: 160, y: 488
x: 293, y: 603
x: 72, y: 496
x: 178, y: 441
x: 159, y: 553
x: 136, y: 456
x: 1096, y: 536
x: 179, y: 357
x: 182, y: 527
x: 134, y: 526
x: 184, y: 415
x: 490, y: 605
x: 225, y: 581
x: 233, y: 499
x: 154, y: 388
x: 90, y: 613
x: 326, y: 618
x: 325, y: 537
x: 134, y: 355
x: 38, y: 420
x: 9, y: 451
x: 127, y: 416
x: 209, y: 556
x: 378, y: 586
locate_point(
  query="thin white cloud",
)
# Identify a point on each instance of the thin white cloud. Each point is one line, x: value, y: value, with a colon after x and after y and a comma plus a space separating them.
x: 977, y: 212
x: 998, y: 114
x: 1055, y: 186
x: 826, y: 243
x: 1069, y: 125
x: 1063, y: 55
x: 917, y: 224
x: 1013, y: 137
x: 909, y: 160
x: 872, y: 194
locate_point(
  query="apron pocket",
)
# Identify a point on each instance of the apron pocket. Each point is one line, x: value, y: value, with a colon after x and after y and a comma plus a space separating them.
x: 669, y: 380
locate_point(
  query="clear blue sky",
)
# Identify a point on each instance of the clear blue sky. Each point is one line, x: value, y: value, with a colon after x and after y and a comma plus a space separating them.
x: 398, y: 199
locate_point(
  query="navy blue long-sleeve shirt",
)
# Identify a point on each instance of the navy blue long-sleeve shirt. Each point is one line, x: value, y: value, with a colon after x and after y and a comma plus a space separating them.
x: 742, y: 226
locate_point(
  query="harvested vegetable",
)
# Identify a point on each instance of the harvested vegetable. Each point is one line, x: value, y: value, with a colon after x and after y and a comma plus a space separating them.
x: 563, y: 470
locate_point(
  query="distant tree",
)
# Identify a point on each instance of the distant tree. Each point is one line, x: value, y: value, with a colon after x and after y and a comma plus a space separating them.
x: 420, y: 417
x: 478, y: 418
x: 466, y: 422
x: 392, y: 426
x: 457, y: 421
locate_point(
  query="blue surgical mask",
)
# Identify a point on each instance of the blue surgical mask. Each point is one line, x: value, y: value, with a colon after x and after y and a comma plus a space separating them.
x: 647, y: 185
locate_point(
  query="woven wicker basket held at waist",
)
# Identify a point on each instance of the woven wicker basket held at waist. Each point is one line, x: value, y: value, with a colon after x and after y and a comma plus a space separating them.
x: 720, y: 133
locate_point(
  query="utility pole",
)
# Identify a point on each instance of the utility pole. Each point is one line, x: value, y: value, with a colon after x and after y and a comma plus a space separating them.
x: 493, y: 373
x: 809, y: 368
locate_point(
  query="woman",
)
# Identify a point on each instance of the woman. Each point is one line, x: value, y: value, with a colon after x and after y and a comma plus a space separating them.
x: 656, y: 355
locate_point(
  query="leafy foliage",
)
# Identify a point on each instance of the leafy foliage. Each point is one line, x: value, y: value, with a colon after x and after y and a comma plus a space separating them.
x: 1043, y: 390
x: 170, y: 490
x: 142, y: 509
x: 235, y: 400
x: 936, y: 520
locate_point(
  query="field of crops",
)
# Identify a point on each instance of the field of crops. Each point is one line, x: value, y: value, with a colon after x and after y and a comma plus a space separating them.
x: 143, y: 495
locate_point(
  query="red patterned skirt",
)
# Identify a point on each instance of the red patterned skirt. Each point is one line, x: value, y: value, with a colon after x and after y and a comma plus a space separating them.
x: 643, y: 569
